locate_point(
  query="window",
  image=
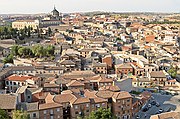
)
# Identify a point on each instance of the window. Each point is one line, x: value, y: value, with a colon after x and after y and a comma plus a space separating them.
x: 51, y: 111
x: 28, y: 97
x: 76, y: 107
x: 87, y: 110
x: 103, y: 104
x: 76, y: 112
x: 87, y: 105
x: 128, y: 100
x: 97, y: 105
x: 58, y: 109
x: 45, y: 111
x: 34, y: 114
x: 7, y: 83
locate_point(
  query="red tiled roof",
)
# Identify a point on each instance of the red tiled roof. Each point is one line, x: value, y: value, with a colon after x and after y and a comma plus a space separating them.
x: 49, y: 105
x: 18, y: 78
x: 150, y: 38
x: 99, y: 100
x: 75, y: 83
x: 81, y: 100
x: 63, y: 98
x: 104, y: 94
x: 90, y: 94
x: 121, y: 95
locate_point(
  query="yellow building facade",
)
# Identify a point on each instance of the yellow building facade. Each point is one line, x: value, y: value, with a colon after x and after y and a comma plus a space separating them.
x: 20, y: 24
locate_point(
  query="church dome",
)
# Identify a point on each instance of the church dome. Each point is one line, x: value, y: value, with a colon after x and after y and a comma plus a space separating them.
x: 55, y: 12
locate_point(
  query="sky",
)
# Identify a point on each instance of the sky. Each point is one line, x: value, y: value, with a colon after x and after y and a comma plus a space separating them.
x: 67, y: 6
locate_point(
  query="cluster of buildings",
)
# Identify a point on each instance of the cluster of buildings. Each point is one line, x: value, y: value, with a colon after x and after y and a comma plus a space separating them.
x: 52, y: 19
x: 99, y: 60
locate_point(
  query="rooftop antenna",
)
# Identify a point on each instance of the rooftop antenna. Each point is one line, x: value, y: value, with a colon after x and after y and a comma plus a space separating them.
x: 54, y: 6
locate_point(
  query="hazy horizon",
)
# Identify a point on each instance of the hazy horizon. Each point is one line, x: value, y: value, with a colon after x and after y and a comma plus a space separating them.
x: 69, y: 6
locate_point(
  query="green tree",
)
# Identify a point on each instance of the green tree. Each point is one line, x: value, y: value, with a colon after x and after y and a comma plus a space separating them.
x: 13, y: 32
x: 37, y: 31
x: 101, y: 114
x: 29, y: 32
x: 50, y: 50
x: 8, y: 59
x: 25, y: 30
x: 3, y: 114
x: 22, y: 34
x: 172, y: 72
x: 14, y: 50
x: 19, y: 114
x: 22, y: 51
x: 49, y: 31
x: 5, y: 30
x: 38, y: 51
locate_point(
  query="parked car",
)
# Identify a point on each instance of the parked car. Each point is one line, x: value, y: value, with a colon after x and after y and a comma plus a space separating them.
x: 137, y: 117
x: 149, y: 106
x: 145, y: 109
x: 167, y: 109
x: 161, y: 110
x: 157, y: 104
x: 153, y: 102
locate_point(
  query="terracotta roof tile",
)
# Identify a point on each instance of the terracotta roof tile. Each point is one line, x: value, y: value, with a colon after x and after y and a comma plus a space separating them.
x: 150, y: 38
x: 104, y: 94
x: 111, y: 88
x: 158, y: 74
x: 49, y: 106
x: 63, y: 98
x: 121, y: 95
x: 75, y: 83
x: 106, y: 80
x: 90, y: 94
x: 98, y: 100
x: 81, y: 100
x: 18, y: 78
x: 7, y: 101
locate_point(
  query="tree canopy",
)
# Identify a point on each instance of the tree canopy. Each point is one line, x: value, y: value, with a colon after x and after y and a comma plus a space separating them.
x: 19, y: 114
x: 101, y: 114
x: 3, y: 114
x: 172, y: 72
x: 35, y: 51
x: 8, y: 59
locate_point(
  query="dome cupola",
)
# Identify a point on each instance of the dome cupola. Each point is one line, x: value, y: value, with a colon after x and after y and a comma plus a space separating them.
x: 55, y: 12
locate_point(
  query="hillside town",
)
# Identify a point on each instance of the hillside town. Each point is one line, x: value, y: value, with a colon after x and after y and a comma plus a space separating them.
x: 68, y: 66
